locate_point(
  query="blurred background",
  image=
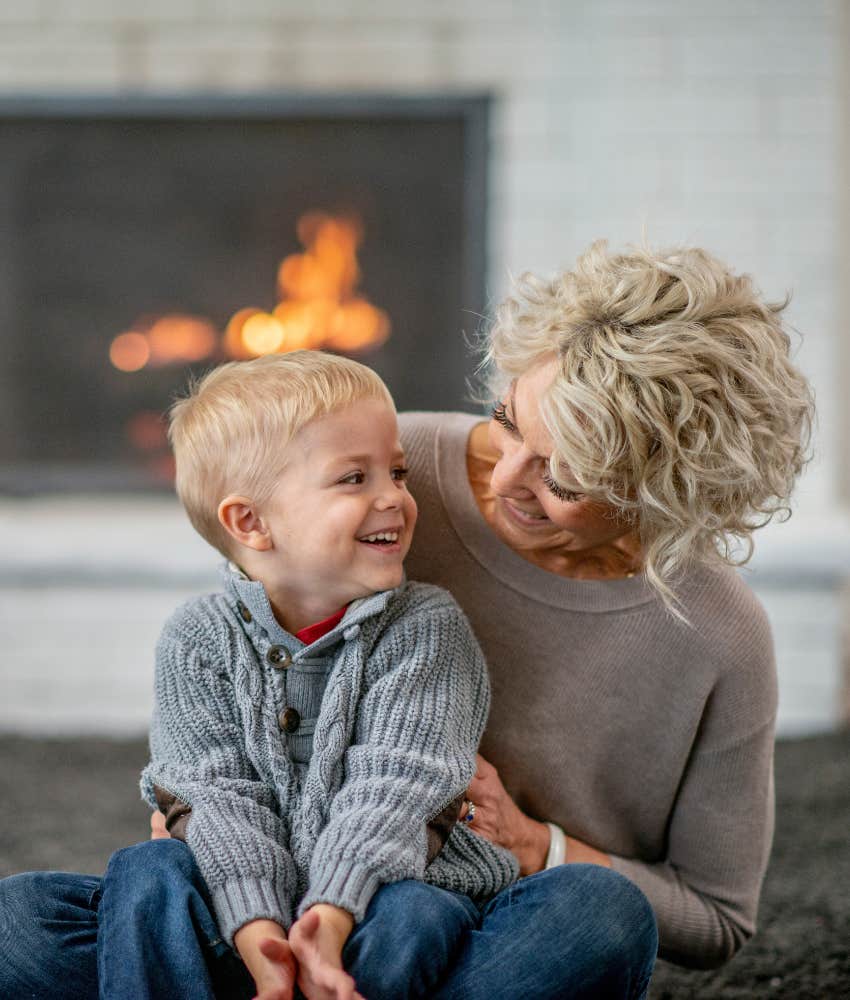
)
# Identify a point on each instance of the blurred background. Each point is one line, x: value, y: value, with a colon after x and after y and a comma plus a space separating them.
x: 187, y: 181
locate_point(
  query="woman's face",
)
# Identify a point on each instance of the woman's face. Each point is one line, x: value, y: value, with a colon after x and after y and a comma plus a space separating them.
x: 531, y: 511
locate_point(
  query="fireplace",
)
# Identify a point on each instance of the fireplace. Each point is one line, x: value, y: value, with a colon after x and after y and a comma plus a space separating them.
x: 138, y: 237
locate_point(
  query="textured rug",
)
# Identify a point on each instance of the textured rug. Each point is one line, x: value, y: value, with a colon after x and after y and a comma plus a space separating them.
x: 69, y: 804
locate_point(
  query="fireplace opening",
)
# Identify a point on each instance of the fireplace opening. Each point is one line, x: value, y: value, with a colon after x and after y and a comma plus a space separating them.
x: 141, y: 240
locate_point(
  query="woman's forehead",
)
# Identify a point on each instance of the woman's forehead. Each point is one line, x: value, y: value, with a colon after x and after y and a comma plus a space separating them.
x: 526, y: 393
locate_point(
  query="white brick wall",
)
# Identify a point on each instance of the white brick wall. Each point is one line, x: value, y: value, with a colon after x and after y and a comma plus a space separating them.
x: 715, y: 123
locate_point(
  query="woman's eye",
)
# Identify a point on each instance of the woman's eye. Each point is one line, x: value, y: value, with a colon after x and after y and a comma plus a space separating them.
x: 560, y: 492
x: 353, y: 479
x: 400, y: 474
x: 500, y: 415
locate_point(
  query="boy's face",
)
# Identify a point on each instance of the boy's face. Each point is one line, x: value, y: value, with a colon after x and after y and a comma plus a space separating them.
x: 344, y: 484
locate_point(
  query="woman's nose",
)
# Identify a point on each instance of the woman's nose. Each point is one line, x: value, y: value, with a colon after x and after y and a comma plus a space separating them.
x: 510, y: 473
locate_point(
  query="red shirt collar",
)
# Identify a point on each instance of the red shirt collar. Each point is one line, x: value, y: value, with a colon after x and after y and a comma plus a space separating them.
x: 313, y: 632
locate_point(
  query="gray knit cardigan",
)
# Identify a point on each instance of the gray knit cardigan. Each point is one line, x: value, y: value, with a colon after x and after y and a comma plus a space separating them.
x: 395, y: 740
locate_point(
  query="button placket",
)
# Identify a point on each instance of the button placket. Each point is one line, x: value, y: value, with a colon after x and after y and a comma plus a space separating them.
x: 279, y: 657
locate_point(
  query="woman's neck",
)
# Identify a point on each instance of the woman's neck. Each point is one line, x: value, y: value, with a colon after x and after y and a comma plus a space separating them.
x: 614, y: 560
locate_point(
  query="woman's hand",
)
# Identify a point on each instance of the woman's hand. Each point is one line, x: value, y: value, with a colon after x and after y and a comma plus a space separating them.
x: 158, y: 828
x: 499, y: 819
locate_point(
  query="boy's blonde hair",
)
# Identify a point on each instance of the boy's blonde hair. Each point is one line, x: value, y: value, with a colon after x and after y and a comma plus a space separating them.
x: 230, y: 433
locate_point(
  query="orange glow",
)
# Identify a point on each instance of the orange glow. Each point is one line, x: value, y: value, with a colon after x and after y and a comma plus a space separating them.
x: 318, y: 306
x: 178, y: 337
x: 233, y: 343
x: 262, y: 334
x: 129, y: 352
x: 146, y: 430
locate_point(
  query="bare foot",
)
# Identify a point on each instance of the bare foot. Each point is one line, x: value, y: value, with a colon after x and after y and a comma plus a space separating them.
x: 317, y: 947
x: 275, y: 981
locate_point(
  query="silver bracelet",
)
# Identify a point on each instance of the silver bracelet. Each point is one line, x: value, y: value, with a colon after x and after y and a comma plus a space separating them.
x: 557, y: 846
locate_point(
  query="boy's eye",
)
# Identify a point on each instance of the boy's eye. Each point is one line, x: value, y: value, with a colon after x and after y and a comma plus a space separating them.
x: 500, y: 415
x: 560, y: 492
x: 352, y: 479
x: 400, y: 473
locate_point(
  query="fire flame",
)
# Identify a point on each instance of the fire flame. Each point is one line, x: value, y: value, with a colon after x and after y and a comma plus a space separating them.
x: 170, y: 338
x: 318, y: 306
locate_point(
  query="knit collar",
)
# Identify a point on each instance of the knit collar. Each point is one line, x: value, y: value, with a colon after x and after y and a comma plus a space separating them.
x: 252, y: 593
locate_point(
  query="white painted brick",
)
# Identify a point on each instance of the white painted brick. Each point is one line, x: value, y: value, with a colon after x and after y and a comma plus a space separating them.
x: 150, y: 13
x: 760, y: 53
x: 61, y: 60
x: 731, y: 9
x: 804, y: 116
x: 19, y: 12
x: 239, y: 58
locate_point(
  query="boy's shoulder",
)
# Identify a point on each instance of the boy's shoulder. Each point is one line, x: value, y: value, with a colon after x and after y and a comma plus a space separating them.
x: 417, y: 607
x: 423, y: 598
x: 201, y: 621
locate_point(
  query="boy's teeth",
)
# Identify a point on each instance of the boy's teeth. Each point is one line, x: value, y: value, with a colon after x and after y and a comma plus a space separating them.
x: 382, y: 536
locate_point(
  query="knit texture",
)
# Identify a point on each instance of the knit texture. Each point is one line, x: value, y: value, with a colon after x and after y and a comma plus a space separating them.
x: 403, y: 706
x: 649, y: 739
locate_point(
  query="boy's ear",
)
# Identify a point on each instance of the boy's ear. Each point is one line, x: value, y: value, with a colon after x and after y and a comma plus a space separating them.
x: 239, y: 518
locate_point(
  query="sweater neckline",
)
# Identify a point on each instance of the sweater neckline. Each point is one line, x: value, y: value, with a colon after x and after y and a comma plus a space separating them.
x: 510, y: 568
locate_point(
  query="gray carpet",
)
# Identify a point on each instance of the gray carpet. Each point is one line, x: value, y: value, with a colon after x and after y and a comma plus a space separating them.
x: 68, y: 804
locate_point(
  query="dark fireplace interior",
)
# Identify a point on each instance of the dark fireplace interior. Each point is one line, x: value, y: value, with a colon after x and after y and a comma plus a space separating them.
x: 165, y: 219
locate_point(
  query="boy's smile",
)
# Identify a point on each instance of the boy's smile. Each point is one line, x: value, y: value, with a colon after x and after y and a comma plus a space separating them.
x: 340, y: 518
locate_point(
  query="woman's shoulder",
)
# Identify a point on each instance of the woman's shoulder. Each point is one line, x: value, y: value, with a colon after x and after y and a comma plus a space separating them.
x: 421, y: 428
x: 728, y: 618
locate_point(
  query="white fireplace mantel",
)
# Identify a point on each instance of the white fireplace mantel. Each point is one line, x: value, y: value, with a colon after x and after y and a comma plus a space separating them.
x: 85, y: 585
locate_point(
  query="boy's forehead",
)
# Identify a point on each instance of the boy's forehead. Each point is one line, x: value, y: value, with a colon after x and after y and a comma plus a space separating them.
x: 350, y: 432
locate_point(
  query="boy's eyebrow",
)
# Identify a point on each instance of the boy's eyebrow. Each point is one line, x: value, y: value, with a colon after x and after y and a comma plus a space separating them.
x: 359, y: 458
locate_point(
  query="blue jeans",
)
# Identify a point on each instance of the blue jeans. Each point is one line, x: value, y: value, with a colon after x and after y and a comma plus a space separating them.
x: 146, y: 931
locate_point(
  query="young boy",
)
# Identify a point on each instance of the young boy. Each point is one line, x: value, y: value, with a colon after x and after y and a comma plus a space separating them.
x: 313, y: 719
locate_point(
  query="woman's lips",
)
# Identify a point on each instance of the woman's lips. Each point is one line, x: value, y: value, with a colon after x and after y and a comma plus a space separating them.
x: 525, y: 518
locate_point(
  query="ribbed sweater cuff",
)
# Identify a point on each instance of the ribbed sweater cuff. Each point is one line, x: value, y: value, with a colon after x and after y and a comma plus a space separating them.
x: 242, y: 900
x: 347, y: 885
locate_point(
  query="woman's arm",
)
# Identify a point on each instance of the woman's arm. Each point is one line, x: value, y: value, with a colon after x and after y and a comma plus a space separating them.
x: 499, y: 819
x: 705, y: 890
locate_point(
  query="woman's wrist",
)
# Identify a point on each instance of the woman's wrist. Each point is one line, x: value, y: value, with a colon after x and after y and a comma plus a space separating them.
x: 531, y: 852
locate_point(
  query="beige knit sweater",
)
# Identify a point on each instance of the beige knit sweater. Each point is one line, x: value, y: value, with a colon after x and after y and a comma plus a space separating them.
x: 647, y: 738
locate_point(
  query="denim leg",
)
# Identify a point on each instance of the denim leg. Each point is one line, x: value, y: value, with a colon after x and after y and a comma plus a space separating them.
x: 157, y: 933
x: 48, y: 936
x: 575, y: 932
x: 408, y: 939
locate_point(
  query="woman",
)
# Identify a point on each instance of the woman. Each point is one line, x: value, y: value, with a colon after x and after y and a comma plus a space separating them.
x: 647, y: 416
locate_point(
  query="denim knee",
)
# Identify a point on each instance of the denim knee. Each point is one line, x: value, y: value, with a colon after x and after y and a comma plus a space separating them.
x: 153, y: 872
x: 407, y: 940
x: 619, y: 931
x: 48, y: 934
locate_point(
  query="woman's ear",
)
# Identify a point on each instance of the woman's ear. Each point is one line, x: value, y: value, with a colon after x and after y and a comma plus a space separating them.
x: 240, y: 519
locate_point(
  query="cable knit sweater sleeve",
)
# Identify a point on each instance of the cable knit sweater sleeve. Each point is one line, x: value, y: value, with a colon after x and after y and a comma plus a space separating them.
x: 418, y: 724
x: 198, y: 754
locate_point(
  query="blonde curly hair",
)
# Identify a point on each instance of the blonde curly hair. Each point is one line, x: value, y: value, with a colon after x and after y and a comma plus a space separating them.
x: 675, y: 401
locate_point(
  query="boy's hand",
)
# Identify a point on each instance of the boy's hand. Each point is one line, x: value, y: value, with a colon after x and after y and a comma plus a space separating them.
x: 263, y: 947
x: 317, y: 941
